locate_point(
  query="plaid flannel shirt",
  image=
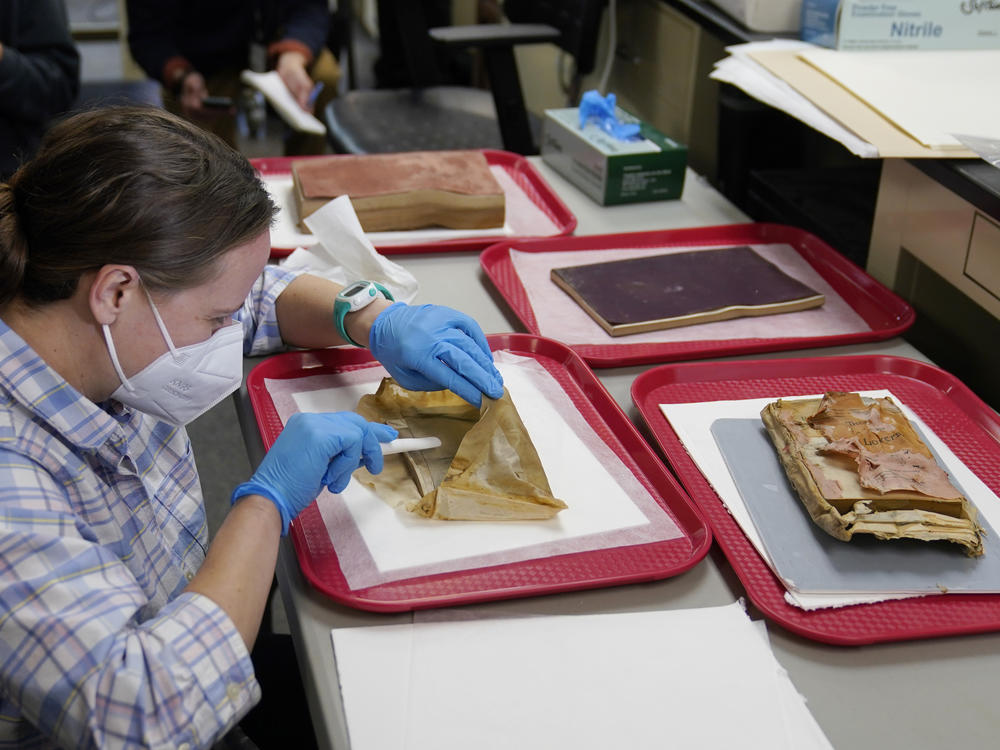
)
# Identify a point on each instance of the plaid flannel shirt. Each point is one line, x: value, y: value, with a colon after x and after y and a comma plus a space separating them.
x: 102, y: 525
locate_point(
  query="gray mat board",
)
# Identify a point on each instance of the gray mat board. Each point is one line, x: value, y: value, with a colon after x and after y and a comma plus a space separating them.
x: 812, y: 561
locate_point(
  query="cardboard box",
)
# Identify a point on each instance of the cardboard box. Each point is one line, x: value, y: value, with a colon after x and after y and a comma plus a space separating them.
x: 902, y: 24
x: 770, y: 16
x: 608, y: 170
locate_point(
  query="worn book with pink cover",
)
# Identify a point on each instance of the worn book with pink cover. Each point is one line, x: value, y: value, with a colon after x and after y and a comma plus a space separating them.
x: 684, y: 288
x: 402, y: 191
x: 859, y: 467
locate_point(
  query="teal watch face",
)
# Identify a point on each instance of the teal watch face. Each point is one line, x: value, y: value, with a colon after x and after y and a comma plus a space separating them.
x: 357, y: 288
x: 354, y: 297
x: 359, y: 294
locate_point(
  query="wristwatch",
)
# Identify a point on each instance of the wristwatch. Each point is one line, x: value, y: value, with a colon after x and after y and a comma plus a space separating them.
x: 354, y: 297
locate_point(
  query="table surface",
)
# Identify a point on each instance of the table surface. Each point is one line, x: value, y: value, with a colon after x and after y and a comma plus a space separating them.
x: 931, y: 693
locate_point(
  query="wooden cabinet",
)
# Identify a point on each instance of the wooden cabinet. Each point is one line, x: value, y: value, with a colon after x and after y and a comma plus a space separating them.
x: 942, y: 254
x: 917, y: 216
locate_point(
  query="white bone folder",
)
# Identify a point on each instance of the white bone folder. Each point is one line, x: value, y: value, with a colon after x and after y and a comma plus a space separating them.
x: 405, y: 445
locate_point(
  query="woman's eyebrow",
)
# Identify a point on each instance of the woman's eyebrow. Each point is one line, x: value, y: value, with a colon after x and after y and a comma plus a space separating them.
x: 226, y: 310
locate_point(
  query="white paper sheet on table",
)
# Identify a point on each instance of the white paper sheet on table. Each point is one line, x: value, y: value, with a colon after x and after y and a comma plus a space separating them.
x: 740, y: 70
x: 693, y: 421
x: 523, y: 218
x: 275, y: 91
x: 699, y: 678
x: 928, y: 94
x: 560, y: 317
x: 608, y: 506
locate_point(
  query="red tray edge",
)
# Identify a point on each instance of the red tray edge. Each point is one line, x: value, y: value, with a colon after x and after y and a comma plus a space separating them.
x: 835, y: 269
x: 957, y: 391
x: 689, y: 517
x: 641, y: 393
x: 358, y: 601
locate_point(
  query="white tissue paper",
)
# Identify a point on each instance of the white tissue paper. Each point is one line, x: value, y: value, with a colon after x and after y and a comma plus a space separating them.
x: 343, y: 254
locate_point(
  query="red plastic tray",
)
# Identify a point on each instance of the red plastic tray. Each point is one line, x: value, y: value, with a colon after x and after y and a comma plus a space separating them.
x: 887, y: 314
x: 582, y: 570
x: 967, y: 425
x: 517, y: 166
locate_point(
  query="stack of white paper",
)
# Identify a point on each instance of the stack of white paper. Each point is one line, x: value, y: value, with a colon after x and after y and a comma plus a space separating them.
x: 929, y: 94
x: 702, y: 678
x: 750, y: 76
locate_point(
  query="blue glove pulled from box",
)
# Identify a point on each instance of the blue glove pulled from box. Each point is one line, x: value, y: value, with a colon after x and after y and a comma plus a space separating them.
x: 602, y: 110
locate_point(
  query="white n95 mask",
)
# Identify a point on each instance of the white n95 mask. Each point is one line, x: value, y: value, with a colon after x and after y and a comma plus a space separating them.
x: 182, y: 384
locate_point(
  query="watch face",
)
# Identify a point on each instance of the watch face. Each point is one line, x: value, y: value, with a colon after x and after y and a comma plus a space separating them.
x: 353, y: 289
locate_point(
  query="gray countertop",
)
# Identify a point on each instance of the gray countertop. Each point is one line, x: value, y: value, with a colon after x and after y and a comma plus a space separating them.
x: 931, y: 693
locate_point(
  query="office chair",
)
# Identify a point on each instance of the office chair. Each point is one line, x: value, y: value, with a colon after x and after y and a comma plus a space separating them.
x: 430, y: 116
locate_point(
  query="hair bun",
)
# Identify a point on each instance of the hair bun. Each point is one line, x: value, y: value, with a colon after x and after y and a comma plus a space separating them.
x: 13, y: 246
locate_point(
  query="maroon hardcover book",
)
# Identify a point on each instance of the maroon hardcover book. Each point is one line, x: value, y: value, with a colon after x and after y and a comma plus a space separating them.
x: 679, y: 289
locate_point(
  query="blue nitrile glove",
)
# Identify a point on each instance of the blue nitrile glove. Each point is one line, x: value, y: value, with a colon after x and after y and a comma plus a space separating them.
x: 430, y: 347
x: 593, y: 106
x: 312, y: 452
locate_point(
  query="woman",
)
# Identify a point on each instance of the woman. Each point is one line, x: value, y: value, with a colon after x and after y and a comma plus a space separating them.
x: 127, y: 247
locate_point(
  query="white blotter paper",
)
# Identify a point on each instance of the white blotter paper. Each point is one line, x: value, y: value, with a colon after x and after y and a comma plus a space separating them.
x: 693, y: 421
x: 560, y: 317
x: 608, y: 506
x: 699, y: 678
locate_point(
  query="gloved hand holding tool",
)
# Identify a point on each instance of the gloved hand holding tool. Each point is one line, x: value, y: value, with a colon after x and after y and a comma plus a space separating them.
x: 315, y: 451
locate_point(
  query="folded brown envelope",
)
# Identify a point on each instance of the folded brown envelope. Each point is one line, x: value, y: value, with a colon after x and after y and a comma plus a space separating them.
x: 859, y: 467
x: 486, y: 468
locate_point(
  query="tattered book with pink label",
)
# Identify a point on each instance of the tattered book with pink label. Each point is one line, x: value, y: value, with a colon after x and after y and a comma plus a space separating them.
x: 859, y: 467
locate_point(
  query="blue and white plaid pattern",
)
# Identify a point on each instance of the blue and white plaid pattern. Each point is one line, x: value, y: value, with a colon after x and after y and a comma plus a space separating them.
x: 102, y: 524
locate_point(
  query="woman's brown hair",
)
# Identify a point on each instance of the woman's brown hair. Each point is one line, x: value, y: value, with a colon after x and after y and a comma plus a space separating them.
x: 130, y: 185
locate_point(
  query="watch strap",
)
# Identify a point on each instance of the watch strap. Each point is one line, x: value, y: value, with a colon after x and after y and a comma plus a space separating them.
x: 342, y: 307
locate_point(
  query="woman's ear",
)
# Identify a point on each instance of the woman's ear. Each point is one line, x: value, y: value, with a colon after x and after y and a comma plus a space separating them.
x: 111, y: 288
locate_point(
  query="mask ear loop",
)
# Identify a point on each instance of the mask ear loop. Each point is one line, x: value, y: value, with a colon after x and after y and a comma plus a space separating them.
x: 159, y: 322
x: 106, y: 330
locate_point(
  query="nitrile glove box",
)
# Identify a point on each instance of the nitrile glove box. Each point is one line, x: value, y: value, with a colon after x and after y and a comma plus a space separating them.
x: 608, y: 170
x: 902, y: 24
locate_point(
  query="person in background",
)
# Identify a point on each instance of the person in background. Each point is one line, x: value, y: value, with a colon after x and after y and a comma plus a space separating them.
x: 197, y: 49
x: 133, y: 279
x: 39, y: 75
